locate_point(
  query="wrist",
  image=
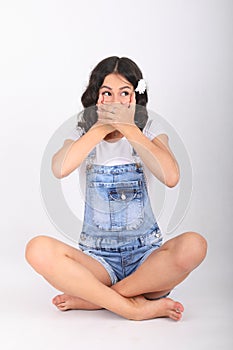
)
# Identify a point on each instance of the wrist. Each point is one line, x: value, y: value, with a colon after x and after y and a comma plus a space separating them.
x: 128, y: 130
x: 102, y: 129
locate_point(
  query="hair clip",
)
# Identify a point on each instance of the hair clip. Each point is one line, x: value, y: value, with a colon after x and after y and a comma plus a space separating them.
x: 141, y: 88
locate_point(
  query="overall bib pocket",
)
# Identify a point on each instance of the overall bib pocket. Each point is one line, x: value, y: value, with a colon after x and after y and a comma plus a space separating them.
x: 116, y: 206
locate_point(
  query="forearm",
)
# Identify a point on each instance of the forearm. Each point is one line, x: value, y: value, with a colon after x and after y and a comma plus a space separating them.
x: 156, y: 157
x: 69, y: 158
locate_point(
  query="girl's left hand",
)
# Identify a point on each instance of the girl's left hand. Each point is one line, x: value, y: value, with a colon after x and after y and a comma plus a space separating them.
x: 118, y: 114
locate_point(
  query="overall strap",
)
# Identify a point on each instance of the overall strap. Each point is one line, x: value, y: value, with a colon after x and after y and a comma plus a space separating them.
x: 90, y: 160
x: 137, y: 159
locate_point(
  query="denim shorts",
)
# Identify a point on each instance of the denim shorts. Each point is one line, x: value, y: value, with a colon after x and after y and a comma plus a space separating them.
x: 123, y: 261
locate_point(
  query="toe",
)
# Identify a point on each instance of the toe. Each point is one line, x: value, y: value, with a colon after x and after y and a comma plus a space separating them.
x: 178, y: 307
x: 175, y: 315
x: 55, y: 300
x: 58, y: 299
x: 62, y: 307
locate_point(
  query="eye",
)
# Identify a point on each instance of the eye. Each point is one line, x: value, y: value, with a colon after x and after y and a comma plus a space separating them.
x: 124, y: 93
x: 106, y: 93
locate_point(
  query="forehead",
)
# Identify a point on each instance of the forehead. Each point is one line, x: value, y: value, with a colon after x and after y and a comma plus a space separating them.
x: 116, y: 80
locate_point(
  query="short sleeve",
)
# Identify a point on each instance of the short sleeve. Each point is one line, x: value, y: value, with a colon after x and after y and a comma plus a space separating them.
x: 153, y: 128
x: 75, y: 134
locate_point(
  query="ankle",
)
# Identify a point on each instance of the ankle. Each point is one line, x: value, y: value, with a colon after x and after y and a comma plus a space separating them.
x: 136, y: 312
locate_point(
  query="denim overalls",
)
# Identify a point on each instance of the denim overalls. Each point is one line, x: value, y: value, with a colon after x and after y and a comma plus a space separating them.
x: 119, y: 228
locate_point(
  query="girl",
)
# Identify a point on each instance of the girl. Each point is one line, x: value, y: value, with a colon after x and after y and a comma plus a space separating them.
x: 121, y: 264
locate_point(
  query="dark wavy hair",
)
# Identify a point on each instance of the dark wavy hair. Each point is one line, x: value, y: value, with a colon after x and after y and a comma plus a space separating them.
x: 124, y: 67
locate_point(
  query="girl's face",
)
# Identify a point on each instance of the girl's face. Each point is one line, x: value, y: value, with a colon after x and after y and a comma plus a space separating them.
x: 116, y: 88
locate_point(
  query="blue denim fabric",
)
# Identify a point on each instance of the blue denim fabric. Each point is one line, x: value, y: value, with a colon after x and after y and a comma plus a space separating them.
x: 123, y: 261
x: 119, y: 228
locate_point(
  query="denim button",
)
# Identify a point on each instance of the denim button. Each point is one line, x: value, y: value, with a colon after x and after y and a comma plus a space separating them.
x: 123, y: 196
x: 158, y: 234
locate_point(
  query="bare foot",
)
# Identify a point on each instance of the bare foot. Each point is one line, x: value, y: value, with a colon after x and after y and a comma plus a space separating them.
x: 166, y: 307
x: 66, y: 302
x: 145, y: 309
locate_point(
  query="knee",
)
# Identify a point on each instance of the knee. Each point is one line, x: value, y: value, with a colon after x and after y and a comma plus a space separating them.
x: 37, y: 251
x: 192, y: 252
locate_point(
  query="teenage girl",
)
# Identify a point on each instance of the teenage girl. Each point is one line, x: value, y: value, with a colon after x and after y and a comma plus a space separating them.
x: 121, y: 263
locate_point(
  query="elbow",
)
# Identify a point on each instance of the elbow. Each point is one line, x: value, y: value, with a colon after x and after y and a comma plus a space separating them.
x: 57, y: 169
x: 58, y: 174
x: 173, y: 179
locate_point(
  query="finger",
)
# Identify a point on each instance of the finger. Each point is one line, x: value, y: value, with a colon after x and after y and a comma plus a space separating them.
x: 106, y: 118
x: 105, y: 109
x: 133, y: 98
x: 111, y: 108
x: 105, y: 115
x: 100, y: 99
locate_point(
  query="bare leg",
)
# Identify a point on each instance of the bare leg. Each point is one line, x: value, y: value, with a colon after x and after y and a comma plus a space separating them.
x: 166, y: 267
x: 174, y: 260
x: 66, y: 269
x: 54, y: 261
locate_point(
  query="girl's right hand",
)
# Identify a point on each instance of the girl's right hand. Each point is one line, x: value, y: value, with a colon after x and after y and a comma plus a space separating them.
x: 103, y: 121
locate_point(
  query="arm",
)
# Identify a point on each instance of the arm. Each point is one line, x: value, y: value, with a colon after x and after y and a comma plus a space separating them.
x: 156, y: 154
x: 71, y: 155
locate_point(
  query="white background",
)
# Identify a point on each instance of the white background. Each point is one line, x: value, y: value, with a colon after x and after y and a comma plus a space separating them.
x: 48, y: 48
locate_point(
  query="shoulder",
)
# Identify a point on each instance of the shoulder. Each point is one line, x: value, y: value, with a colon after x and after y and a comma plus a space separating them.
x: 75, y: 134
x: 154, y: 128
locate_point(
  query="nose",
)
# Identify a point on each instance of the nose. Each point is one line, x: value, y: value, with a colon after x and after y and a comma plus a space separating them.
x: 115, y: 98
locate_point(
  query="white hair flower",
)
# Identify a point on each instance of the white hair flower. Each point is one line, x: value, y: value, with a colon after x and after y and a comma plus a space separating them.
x: 141, y: 88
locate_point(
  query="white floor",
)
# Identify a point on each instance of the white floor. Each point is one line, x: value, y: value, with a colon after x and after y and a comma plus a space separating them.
x: 30, y: 321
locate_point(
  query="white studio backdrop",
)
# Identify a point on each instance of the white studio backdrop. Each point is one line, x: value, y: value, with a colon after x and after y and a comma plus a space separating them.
x: 48, y: 49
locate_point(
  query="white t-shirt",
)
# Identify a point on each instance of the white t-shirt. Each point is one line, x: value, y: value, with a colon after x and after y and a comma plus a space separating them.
x: 119, y: 152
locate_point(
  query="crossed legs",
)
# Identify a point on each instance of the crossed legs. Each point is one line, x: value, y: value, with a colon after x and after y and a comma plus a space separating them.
x: 86, y: 284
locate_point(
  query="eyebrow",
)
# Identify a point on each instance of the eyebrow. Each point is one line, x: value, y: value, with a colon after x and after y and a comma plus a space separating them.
x: 121, y: 88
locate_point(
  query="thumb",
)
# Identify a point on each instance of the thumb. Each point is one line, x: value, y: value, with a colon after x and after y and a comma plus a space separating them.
x: 100, y: 99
